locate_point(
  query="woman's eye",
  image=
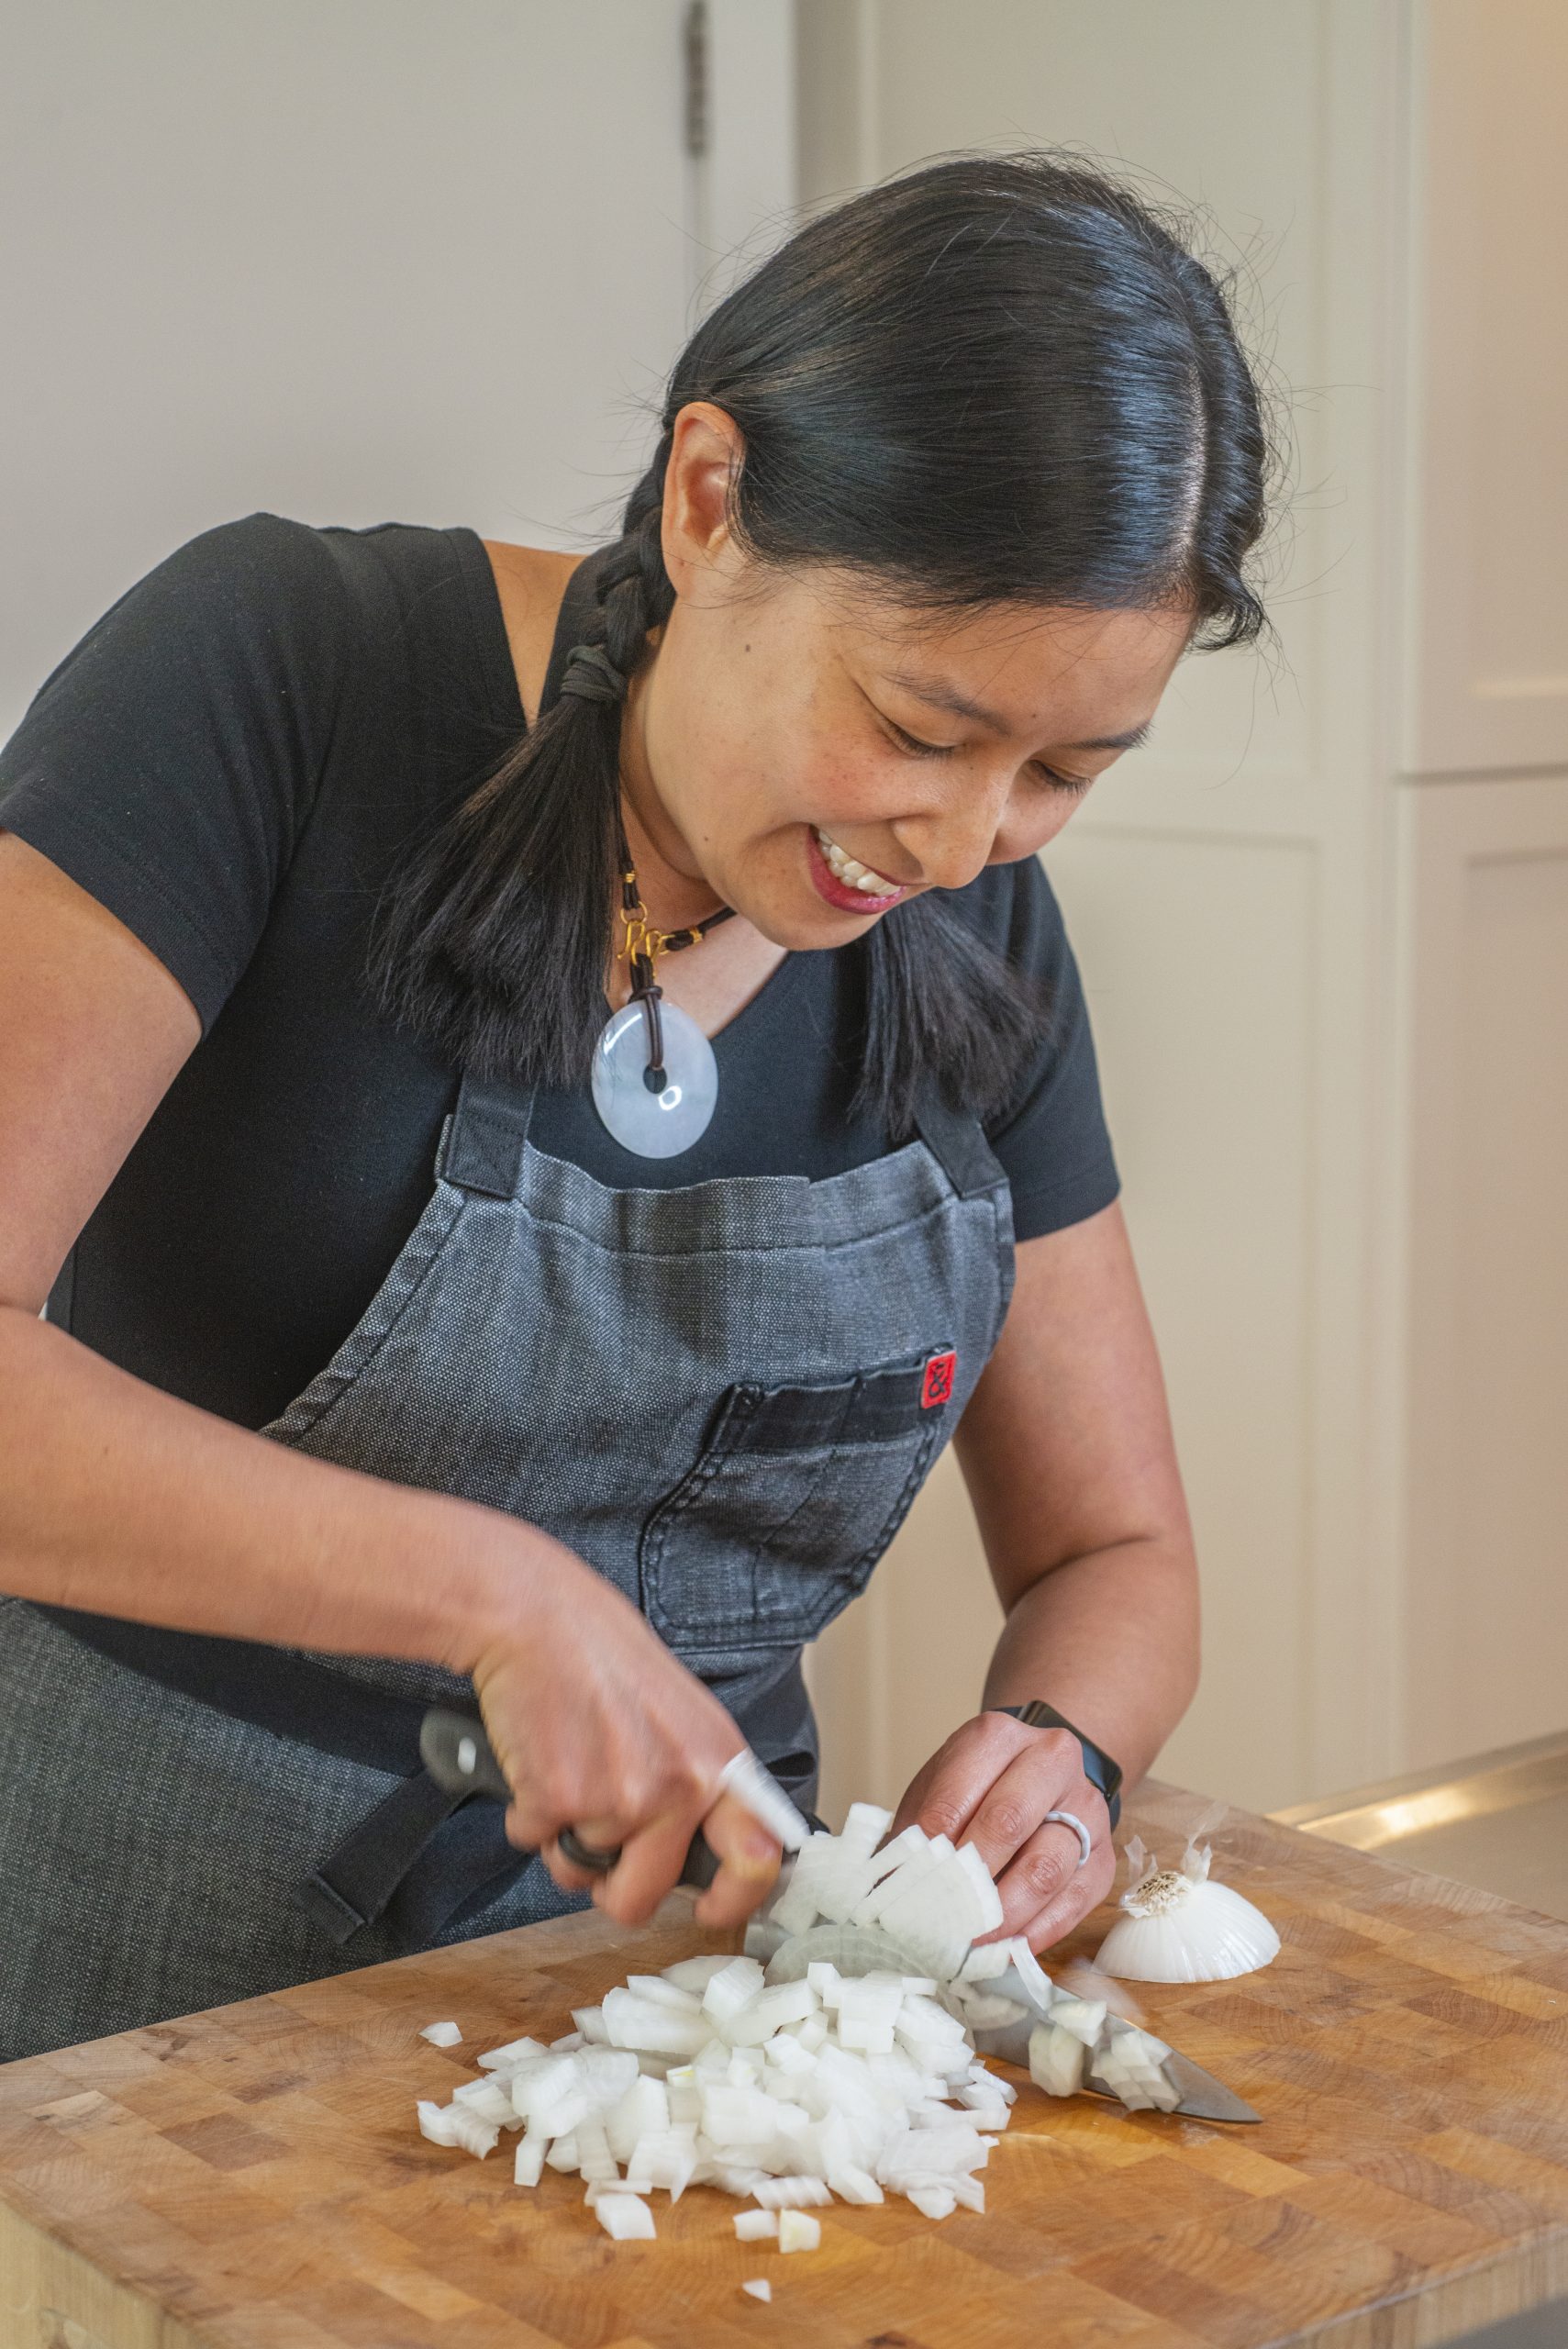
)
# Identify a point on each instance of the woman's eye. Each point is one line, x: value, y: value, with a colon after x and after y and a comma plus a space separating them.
x: 1075, y: 784
x: 916, y: 749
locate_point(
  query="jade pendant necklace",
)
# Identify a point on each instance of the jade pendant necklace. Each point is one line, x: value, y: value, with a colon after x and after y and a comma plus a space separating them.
x: 655, y: 1080
x: 654, y: 1077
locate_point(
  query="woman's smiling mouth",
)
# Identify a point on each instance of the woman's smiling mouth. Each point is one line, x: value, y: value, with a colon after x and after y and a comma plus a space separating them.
x: 845, y: 883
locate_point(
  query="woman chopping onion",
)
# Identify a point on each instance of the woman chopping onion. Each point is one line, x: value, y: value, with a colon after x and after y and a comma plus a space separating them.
x: 539, y: 1095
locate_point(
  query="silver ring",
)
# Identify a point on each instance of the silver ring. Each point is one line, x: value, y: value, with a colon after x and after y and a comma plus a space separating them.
x: 1065, y: 1818
x: 591, y: 1857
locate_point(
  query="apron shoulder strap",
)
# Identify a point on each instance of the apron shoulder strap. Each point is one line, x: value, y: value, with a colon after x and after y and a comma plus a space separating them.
x: 957, y: 1142
x: 484, y: 1141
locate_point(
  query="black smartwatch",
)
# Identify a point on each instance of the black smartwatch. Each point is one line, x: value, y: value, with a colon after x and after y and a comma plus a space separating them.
x: 1098, y: 1768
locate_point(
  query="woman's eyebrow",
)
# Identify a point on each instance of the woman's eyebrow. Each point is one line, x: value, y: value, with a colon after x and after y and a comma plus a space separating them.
x: 938, y: 695
x: 1133, y: 740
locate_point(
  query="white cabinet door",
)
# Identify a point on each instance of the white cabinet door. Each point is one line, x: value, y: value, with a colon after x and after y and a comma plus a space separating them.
x: 1487, y: 538
x: 1485, y: 1376
x: 351, y: 260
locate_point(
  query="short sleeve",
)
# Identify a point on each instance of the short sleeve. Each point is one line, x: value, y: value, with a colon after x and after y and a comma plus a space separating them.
x: 170, y: 762
x: 1052, y: 1140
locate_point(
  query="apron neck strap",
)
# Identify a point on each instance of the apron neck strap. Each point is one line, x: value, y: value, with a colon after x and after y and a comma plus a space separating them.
x: 957, y: 1142
x: 484, y: 1148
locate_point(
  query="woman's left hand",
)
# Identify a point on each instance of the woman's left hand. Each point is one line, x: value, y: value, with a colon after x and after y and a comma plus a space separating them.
x: 991, y: 1784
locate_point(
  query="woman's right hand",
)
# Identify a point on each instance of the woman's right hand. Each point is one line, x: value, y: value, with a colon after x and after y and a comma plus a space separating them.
x: 599, y: 1728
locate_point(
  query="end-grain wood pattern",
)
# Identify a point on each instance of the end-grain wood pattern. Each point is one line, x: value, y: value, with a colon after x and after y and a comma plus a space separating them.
x: 252, y: 2178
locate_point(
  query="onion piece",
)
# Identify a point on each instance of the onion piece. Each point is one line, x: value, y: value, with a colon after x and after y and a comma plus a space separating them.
x: 515, y: 2052
x: 1057, y: 2060
x: 442, y: 2035
x: 1181, y: 1926
x: 624, y: 2216
x: 1131, y: 2068
x: 1081, y: 2017
x: 660, y: 1991
x: 695, y: 1974
x: 934, y: 2201
x: 852, y: 2185
x: 733, y: 1987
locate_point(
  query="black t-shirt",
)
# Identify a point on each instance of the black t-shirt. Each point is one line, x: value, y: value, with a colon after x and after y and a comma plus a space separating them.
x: 232, y: 761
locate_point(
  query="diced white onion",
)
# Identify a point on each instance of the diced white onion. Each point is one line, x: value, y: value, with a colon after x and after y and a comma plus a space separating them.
x: 442, y: 2035
x: 517, y: 2051
x: 846, y: 2068
x: 934, y: 2201
x: 1056, y: 2060
x: 733, y: 1987
x: 626, y: 2217
x: 695, y: 1974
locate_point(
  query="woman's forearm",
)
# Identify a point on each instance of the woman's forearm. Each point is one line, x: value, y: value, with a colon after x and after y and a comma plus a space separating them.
x: 1111, y: 1638
x: 121, y: 1500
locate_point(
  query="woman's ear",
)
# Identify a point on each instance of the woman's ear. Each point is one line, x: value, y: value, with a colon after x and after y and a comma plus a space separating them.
x: 706, y: 453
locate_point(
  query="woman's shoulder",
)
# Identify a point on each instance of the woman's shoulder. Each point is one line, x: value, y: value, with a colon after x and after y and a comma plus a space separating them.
x: 317, y: 597
x: 531, y: 582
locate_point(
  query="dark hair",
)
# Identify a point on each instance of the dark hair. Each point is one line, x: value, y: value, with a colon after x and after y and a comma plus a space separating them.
x: 995, y: 380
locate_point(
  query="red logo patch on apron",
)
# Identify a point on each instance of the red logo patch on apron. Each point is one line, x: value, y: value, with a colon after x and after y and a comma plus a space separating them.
x: 936, y: 1386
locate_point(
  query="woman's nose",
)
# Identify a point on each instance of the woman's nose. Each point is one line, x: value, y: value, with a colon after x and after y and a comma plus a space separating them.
x: 950, y: 844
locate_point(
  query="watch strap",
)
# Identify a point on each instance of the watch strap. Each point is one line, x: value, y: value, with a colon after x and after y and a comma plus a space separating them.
x: 1098, y: 1768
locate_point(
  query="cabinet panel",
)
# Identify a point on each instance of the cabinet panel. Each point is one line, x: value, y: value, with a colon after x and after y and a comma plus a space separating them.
x: 1487, y: 583
x: 1201, y: 974
x: 1486, y: 1597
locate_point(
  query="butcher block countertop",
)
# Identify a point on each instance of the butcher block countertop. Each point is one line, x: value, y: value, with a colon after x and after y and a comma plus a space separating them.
x: 253, y: 2177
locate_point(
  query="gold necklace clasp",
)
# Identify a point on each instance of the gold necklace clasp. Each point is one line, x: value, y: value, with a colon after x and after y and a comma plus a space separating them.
x: 640, y: 935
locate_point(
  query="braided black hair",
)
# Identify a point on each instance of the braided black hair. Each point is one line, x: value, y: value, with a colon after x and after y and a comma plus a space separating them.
x: 994, y: 380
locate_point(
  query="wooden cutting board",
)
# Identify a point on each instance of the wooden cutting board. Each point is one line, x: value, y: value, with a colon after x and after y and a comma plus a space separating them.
x: 253, y: 2177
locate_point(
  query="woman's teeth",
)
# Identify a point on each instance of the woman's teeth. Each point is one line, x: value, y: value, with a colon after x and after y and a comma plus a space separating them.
x: 858, y: 876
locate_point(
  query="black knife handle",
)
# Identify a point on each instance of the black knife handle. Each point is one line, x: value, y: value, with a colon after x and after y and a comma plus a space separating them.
x: 458, y: 1755
x: 460, y: 1758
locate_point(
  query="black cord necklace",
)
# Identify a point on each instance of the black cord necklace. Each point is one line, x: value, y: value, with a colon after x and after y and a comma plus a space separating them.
x: 655, y: 1080
x: 640, y: 948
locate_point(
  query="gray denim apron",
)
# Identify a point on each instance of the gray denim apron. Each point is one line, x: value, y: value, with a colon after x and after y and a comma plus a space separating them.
x: 724, y: 1397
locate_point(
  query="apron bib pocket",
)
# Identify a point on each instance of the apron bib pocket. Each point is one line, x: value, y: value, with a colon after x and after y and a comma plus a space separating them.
x: 793, y: 1499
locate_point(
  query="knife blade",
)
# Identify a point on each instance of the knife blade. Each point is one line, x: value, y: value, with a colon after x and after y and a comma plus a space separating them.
x: 1203, y: 2098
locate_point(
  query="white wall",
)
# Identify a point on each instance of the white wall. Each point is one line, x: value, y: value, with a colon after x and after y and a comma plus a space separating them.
x: 354, y: 260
